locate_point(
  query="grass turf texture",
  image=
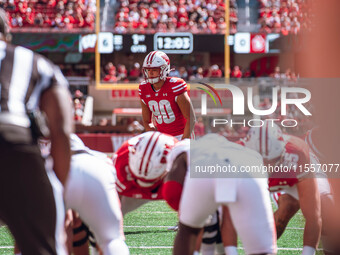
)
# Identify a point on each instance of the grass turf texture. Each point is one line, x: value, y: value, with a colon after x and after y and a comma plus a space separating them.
x: 146, y: 232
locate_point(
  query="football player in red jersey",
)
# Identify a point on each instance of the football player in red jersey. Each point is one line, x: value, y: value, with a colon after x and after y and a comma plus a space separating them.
x: 165, y: 98
x: 300, y: 187
x: 141, y: 166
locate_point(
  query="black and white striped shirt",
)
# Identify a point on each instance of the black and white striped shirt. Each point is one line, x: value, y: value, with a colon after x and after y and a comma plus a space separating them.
x: 24, y: 75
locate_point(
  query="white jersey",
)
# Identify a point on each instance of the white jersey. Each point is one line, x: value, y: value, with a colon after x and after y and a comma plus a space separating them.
x: 247, y: 198
x: 179, y: 148
x: 90, y: 190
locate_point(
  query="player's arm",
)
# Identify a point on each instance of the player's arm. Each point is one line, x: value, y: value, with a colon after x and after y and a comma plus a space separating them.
x: 311, y: 209
x: 146, y: 114
x: 173, y: 182
x: 59, y: 116
x: 187, y: 110
x: 228, y: 232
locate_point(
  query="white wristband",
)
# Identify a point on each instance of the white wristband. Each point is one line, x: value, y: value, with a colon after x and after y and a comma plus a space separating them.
x: 307, y: 250
x: 230, y: 250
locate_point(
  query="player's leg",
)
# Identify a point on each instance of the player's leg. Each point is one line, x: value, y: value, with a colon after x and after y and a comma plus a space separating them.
x: 329, y: 234
x: 287, y: 208
x: 229, y: 235
x: 34, y: 210
x: 195, y: 207
x: 69, y: 230
x: 252, y: 217
x: 185, y: 240
x: 98, y: 206
x: 80, y: 242
x: 211, y: 238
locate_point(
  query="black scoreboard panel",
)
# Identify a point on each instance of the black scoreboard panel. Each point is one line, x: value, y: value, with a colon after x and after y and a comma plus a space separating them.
x: 172, y: 43
x: 175, y: 43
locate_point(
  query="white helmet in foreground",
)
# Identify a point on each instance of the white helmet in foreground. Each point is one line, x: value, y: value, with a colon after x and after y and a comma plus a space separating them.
x: 266, y: 140
x: 147, y: 157
x: 156, y: 59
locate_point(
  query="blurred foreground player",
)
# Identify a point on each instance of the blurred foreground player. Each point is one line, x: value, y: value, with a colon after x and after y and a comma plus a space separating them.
x: 90, y: 191
x: 31, y: 203
x: 319, y: 59
x: 247, y: 198
x: 209, y: 239
x: 329, y: 232
x: 300, y: 189
x: 165, y: 98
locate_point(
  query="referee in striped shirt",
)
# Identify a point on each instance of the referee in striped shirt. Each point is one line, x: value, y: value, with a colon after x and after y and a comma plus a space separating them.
x: 31, y: 203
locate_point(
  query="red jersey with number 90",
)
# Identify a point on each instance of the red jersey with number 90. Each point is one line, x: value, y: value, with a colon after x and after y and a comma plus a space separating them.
x: 163, y: 105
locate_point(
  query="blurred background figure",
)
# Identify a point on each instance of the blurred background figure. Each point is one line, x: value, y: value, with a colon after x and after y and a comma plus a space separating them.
x: 135, y: 127
x: 236, y: 73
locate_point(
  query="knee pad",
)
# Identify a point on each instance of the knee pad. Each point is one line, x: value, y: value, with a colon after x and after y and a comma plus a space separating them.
x: 211, y: 231
x: 81, y: 229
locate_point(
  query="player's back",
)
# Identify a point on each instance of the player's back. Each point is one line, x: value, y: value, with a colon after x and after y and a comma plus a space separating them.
x: 213, y: 150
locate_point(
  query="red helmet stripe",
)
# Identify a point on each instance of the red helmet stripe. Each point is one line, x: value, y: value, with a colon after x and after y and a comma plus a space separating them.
x: 146, y: 149
x: 267, y: 139
x: 152, y: 149
x: 148, y: 57
x: 152, y: 57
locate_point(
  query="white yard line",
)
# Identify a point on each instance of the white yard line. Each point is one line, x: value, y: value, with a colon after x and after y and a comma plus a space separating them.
x: 157, y: 212
x: 295, y: 228
x: 148, y: 226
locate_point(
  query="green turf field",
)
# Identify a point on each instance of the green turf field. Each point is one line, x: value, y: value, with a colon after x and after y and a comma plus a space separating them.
x: 146, y: 232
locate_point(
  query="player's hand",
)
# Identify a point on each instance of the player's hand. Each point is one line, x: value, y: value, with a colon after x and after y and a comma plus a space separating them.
x: 151, y: 127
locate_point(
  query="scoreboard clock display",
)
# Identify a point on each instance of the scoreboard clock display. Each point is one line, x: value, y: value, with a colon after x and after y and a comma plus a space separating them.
x: 174, y: 43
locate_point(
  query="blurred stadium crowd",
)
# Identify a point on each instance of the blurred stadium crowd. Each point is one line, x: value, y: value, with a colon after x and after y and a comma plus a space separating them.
x: 146, y: 16
x: 61, y: 14
x: 170, y: 16
x: 284, y: 16
x: 121, y: 73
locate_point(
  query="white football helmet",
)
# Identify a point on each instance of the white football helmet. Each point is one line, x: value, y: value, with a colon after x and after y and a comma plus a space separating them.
x: 148, y: 157
x: 156, y: 59
x: 266, y: 140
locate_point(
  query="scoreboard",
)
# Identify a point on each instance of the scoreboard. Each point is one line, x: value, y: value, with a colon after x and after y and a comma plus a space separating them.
x: 171, y: 43
x: 177, y: 43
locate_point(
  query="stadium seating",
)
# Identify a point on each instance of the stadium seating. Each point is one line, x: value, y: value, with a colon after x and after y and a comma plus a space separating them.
x: 62, y: 14
x: 283, y: 16
x: 165, y: 15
